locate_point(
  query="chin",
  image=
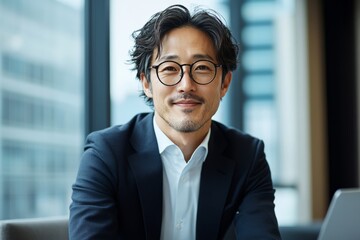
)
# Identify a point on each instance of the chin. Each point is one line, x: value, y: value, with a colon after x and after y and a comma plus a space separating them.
x: 187, y: 126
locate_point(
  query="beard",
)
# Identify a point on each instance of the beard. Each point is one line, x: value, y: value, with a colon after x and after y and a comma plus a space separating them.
x: 187, y: 123
x: 185, y: 126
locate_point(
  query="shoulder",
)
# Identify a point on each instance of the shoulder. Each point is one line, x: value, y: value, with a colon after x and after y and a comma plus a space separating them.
x: 235, y: 144
x: 245, y: 150
x: 232, y: 135
x: 121, y: 130
x: 117, y: 136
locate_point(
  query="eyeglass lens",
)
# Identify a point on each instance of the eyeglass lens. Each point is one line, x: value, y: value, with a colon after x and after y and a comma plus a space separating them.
x: 202, y: 72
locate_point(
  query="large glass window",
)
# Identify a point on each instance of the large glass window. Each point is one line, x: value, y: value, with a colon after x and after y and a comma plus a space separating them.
x: 41, y: 105
x: 272, y: 95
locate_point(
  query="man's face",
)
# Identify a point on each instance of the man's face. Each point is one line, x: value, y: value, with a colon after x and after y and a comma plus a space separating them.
x: 186, y: 106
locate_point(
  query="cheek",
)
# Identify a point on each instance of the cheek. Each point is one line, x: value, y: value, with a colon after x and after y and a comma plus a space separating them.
x: 217, y: 94
x: 213, y: 99
x: 160, y: 94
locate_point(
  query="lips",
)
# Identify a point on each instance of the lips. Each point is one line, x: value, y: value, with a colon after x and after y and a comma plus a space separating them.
x: 187, y: 100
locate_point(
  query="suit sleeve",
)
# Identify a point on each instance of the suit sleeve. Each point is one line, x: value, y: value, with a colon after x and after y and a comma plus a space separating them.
x: 93, y: 209
x: 255, y: 218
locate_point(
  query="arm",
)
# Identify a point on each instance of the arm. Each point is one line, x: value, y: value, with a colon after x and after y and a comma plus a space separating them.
x: 93, y: 212
x: 256, y: 218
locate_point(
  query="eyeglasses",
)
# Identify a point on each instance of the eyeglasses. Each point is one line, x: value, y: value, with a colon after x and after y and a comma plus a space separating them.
x: 170, y: 73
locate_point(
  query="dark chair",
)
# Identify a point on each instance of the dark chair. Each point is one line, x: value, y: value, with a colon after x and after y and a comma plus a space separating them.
x: 54, y: 228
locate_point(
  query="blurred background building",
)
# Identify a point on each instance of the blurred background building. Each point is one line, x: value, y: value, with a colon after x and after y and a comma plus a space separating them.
x: 41, y: 106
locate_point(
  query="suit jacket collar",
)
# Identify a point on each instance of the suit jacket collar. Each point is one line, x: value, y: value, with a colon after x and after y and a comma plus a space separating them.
x: 215, y: 180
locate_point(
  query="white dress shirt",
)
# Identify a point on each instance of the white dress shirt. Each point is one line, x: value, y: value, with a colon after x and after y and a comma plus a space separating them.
x: 181, y: 182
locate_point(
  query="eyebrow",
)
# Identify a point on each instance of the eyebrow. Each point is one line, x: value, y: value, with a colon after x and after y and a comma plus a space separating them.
x: 195, y: 57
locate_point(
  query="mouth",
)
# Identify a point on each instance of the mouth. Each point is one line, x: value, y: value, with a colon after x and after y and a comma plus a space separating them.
x: 187, y: 101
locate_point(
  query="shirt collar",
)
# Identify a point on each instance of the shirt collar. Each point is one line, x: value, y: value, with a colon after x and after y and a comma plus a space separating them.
x: 164, y: 142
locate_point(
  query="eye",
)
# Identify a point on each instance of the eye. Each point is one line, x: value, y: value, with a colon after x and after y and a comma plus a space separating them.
x: 203, y: 68
x: 169, y: 67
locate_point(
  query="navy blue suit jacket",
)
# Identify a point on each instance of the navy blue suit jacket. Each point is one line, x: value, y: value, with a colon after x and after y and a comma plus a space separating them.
x: 118, y: 190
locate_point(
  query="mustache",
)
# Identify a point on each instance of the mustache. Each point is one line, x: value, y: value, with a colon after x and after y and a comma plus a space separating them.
x: 187, y: 96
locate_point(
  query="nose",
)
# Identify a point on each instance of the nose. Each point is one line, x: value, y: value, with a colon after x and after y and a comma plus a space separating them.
x: 186, y: 84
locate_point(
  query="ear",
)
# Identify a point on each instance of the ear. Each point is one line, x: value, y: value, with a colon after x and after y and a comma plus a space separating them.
x: 226, y: 83
x: 146, y: 85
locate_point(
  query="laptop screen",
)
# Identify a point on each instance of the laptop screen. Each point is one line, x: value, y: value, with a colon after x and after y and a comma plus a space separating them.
x: 342, y: 220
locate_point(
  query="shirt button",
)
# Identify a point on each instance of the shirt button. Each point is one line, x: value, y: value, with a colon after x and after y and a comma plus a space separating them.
x: 184, y: 179
x: 179, y: 225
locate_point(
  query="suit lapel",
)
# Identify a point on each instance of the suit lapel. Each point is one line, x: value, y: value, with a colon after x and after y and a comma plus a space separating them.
x: 147, y: 168
x: 215, y: 181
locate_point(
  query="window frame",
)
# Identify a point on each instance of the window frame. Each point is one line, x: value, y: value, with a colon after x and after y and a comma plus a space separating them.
x: 97, y: 65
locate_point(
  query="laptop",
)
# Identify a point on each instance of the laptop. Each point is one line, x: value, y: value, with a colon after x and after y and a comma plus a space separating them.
x: 342, y: 220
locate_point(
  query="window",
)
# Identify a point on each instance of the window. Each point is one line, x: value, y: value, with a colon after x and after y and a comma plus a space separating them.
x: 41, y: 105
x: 273, y: 105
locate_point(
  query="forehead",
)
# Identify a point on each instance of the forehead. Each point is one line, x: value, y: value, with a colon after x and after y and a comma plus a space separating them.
x: 185, y: 44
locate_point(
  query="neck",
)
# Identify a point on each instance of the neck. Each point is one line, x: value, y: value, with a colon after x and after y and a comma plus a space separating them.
x: 186, y: 141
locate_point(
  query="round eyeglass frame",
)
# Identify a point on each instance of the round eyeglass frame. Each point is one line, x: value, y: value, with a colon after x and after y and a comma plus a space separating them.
x: 156, y: 67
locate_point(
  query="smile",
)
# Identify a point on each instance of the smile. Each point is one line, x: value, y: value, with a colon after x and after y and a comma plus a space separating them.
x: 187, y: 106
x: 187, y: 99
x: 187, y: 102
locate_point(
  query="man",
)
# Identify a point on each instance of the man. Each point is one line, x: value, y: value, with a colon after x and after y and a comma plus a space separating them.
x: 175, y: 173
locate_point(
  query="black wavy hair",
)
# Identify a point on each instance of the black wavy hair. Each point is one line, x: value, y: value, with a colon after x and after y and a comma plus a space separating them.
x: 150, y: 36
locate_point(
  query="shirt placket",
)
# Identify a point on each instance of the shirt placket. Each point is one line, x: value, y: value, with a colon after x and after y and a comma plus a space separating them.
x: 182, y: 206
